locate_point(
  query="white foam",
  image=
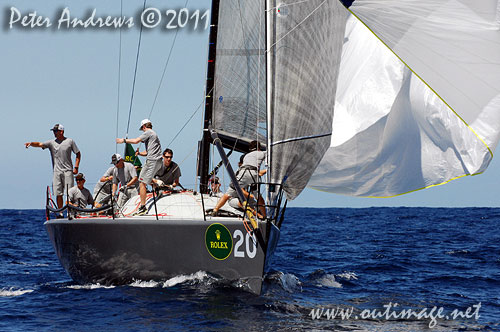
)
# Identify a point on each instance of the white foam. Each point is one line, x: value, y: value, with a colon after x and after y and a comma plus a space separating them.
x: 145, y: 284
x: 453, y: 252
x: 89, y: 286
x: 290, y: 282
x: 348, y: 276
x: 329, y: 281
x: 10, y: 292
x: 200, y: 275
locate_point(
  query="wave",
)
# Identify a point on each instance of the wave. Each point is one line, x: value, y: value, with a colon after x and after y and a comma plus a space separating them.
x: 289, y: 282
x: 348, y: 276
x: 11, y: 292
x: 180, y: 279
x: 322, y: 279
x: 30, y: 264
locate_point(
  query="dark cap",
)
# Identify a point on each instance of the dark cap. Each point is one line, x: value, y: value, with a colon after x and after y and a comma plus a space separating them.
x: 80, y: 176
x: 58, y: 127
x: 116, y: 158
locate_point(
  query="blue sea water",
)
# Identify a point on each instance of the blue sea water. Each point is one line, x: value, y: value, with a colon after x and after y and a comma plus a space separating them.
x: 362, y: 260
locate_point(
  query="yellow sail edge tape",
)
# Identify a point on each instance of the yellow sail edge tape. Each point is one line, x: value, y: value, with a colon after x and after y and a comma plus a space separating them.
x: 407, y: 192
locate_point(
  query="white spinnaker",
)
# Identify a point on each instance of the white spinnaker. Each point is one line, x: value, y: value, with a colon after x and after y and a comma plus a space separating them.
x: 418, y: 98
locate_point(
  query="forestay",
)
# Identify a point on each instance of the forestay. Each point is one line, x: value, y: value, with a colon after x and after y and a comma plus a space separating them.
x: 418, y: 98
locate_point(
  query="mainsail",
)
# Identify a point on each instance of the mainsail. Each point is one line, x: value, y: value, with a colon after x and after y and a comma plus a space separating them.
x: 418, y: 98
x: 239, y: 96
x: 306, y: 43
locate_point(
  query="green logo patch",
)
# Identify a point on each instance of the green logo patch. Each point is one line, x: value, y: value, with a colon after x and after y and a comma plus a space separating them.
x: 219, y: 241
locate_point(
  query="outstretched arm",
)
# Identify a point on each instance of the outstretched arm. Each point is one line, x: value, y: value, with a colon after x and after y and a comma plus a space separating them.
x: 128, y: 140
x: 33, y: 144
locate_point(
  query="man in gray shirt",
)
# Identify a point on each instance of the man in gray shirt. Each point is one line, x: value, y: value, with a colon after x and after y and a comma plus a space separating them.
x: 125, y: 174
x: 78, y: 195
x: 153, y: 159
x: 169, y: 173
x: 60, y: 151
x: 102, y: 189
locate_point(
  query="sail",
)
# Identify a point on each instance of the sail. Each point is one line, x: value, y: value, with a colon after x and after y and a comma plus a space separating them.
x: 418, y: 98
x: 130, y: 157
x: 239, y: 96
x: 306, y: 45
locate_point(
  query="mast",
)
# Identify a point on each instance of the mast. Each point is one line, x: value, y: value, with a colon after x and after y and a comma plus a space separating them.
x: 204, y: 148
x: 269, y: 105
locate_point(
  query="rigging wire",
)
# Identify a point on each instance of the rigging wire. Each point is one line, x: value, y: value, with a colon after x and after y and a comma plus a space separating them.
x: 191, y: 117
x: 165, y: 67
x: 119, y: 77
x: 135, y: 72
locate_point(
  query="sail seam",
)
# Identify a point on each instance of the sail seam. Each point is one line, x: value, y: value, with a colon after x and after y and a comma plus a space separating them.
x: 288, y: 140
x: 435, y: 92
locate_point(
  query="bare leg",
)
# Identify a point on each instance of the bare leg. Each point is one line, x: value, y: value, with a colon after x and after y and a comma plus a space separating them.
x: 262, y: 207
x: 59, y: 201
x: 143, y: 193
x: 221, y: 202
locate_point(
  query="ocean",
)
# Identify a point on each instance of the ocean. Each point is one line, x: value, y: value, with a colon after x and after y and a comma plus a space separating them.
x: 335, y: 269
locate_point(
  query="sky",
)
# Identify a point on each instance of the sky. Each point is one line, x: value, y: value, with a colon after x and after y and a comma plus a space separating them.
x: 77, y: 77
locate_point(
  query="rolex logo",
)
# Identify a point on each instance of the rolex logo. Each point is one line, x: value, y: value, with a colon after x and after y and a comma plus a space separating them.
x: 219, y: 241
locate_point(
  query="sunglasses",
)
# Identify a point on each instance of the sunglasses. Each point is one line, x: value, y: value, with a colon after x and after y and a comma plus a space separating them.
x: 78, y: 180
x: 168, y: 157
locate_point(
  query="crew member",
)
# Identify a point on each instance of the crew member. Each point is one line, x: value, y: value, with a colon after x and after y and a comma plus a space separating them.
x: 153, y: 159
x: 102, y: 189
x: 80, y: 196
x: 248, y: 175
x: 169, y: 173
x: 60, y: 150
x: 126, y: 175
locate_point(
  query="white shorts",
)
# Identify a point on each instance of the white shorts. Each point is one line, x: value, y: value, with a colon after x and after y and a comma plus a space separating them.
x: 149, y: 170
x: 62, y: 181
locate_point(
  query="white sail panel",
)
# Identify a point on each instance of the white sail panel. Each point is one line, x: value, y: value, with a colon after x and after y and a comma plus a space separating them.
x: 307, y: 41
x: 400, y: 127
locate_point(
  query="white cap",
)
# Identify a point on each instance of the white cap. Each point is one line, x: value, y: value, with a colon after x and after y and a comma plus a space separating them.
x: 57, y: 127
x: 116, y: 158
x: 143, y: 122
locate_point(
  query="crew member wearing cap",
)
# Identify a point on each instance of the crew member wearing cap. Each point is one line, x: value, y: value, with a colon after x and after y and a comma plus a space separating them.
x: 60, y: 150
x: 153, y: 159
x: 125, y: 174
x: 80, y: 196
x: 102, y: 189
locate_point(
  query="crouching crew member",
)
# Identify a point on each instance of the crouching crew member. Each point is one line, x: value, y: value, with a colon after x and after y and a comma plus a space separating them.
x: 80, y: 196
x: 126, y: 175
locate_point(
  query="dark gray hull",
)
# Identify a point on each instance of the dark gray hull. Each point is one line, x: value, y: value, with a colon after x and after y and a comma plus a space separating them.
x: 119, y: 251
